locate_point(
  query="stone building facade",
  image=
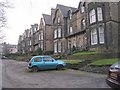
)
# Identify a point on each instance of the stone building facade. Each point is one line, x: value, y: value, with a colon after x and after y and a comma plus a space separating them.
x: 46, y: 33
x: 92, y: 26
x: 8, y: 48
x: 60, y: 28
x: 102, y: 29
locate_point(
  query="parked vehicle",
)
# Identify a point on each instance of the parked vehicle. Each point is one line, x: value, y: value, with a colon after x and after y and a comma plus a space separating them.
x: 45, y: 62
x: 113, y: 78
x: 4, y: 57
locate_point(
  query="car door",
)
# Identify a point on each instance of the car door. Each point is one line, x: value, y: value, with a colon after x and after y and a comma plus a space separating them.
x: 50, y: 63
x: 39, y: 62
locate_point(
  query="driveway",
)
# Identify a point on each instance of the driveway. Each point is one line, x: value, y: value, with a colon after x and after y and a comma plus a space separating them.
x: 16, y: 75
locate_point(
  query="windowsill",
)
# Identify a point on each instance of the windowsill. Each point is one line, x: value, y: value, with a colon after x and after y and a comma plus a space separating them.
x: 92, y: 23
x: 102, y: 43
x: 96, y: 22
x: 94, y: 44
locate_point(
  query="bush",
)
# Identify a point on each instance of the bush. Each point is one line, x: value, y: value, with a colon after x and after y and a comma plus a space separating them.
x: 58, y: 56
x: 37, y: 52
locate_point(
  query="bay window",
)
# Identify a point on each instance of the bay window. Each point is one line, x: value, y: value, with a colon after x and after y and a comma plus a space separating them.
x: 59, y: 46
x: 55, y: 33
x: 101, y: 34
x: 99, y: 14
x: 41, y: 45
x: 94, y: 39
x: 92, y: 16
x: 55, y: 47
x: 59, y: 32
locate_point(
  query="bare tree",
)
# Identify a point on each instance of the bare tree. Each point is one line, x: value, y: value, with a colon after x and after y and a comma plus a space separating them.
x: 4, y: 4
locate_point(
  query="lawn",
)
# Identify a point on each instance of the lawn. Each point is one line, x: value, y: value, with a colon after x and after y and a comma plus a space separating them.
x: 86, y: 53
x: 72, y: 61
x: 104, y: 62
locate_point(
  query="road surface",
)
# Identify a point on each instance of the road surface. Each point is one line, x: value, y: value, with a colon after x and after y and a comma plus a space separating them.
x: 16, y: 75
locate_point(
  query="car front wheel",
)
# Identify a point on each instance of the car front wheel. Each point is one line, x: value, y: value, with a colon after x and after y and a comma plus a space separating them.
x: 34, y: 69
x: 60, y: 67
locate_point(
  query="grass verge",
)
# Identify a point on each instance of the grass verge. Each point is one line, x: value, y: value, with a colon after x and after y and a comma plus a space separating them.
x: 86, y: 53
x: 103, y: 62
x: 72, y: 61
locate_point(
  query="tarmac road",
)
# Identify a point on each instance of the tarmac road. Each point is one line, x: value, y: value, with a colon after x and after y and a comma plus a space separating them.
x: 16, y: 75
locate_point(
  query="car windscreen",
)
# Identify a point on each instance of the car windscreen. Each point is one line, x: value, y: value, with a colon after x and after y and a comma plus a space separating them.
x: 116, y: 65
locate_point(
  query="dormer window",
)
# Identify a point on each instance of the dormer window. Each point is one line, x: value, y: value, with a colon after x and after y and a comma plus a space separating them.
x: 82, y: 9
x: 82, y: 6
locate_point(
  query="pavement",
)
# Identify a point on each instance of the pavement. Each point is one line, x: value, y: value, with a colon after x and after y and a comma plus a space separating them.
x: 16, y: 75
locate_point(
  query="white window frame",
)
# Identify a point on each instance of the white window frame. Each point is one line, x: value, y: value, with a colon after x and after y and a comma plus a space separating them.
x: 59, y: 47
x: 71, y: 30
x: 92, y: 16
x: 94, y: 38
x: 59, y: 32
x: 55, y: 47
x: 83, y: 24
x: 101, y: 35
x: 55, y: 33
x: 41, y: 46
x: 42, y: 35
x: 99, y: 14
x: 58, y: 19
x: 30, y: 42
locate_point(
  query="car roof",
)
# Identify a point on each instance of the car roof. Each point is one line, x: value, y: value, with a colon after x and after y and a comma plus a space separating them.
x: 41, y: 56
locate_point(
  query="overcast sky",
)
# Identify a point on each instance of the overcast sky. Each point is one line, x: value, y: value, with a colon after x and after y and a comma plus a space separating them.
x: 27, y: 12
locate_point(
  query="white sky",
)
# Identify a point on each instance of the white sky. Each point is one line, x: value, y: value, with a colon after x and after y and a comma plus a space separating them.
x: 27, y: 12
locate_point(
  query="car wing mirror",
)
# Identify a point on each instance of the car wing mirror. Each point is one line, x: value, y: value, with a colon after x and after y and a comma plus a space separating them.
x: 52, y: 60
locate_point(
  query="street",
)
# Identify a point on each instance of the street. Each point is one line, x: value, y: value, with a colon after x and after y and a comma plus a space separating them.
x: 16, y: 75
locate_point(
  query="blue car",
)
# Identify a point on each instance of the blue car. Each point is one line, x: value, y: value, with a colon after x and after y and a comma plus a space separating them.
x: 45, y: 62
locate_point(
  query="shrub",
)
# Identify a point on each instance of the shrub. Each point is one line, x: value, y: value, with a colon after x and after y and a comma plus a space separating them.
x: 58, y: 56
x: 37, y: 52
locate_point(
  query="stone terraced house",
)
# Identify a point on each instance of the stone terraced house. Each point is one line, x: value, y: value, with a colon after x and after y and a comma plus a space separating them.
x: 92, y: 26
x: 46, y: 33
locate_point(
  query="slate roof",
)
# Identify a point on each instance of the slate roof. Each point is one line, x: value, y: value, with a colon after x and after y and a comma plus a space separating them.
x: 47, y: 19
x: 64, y: 9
